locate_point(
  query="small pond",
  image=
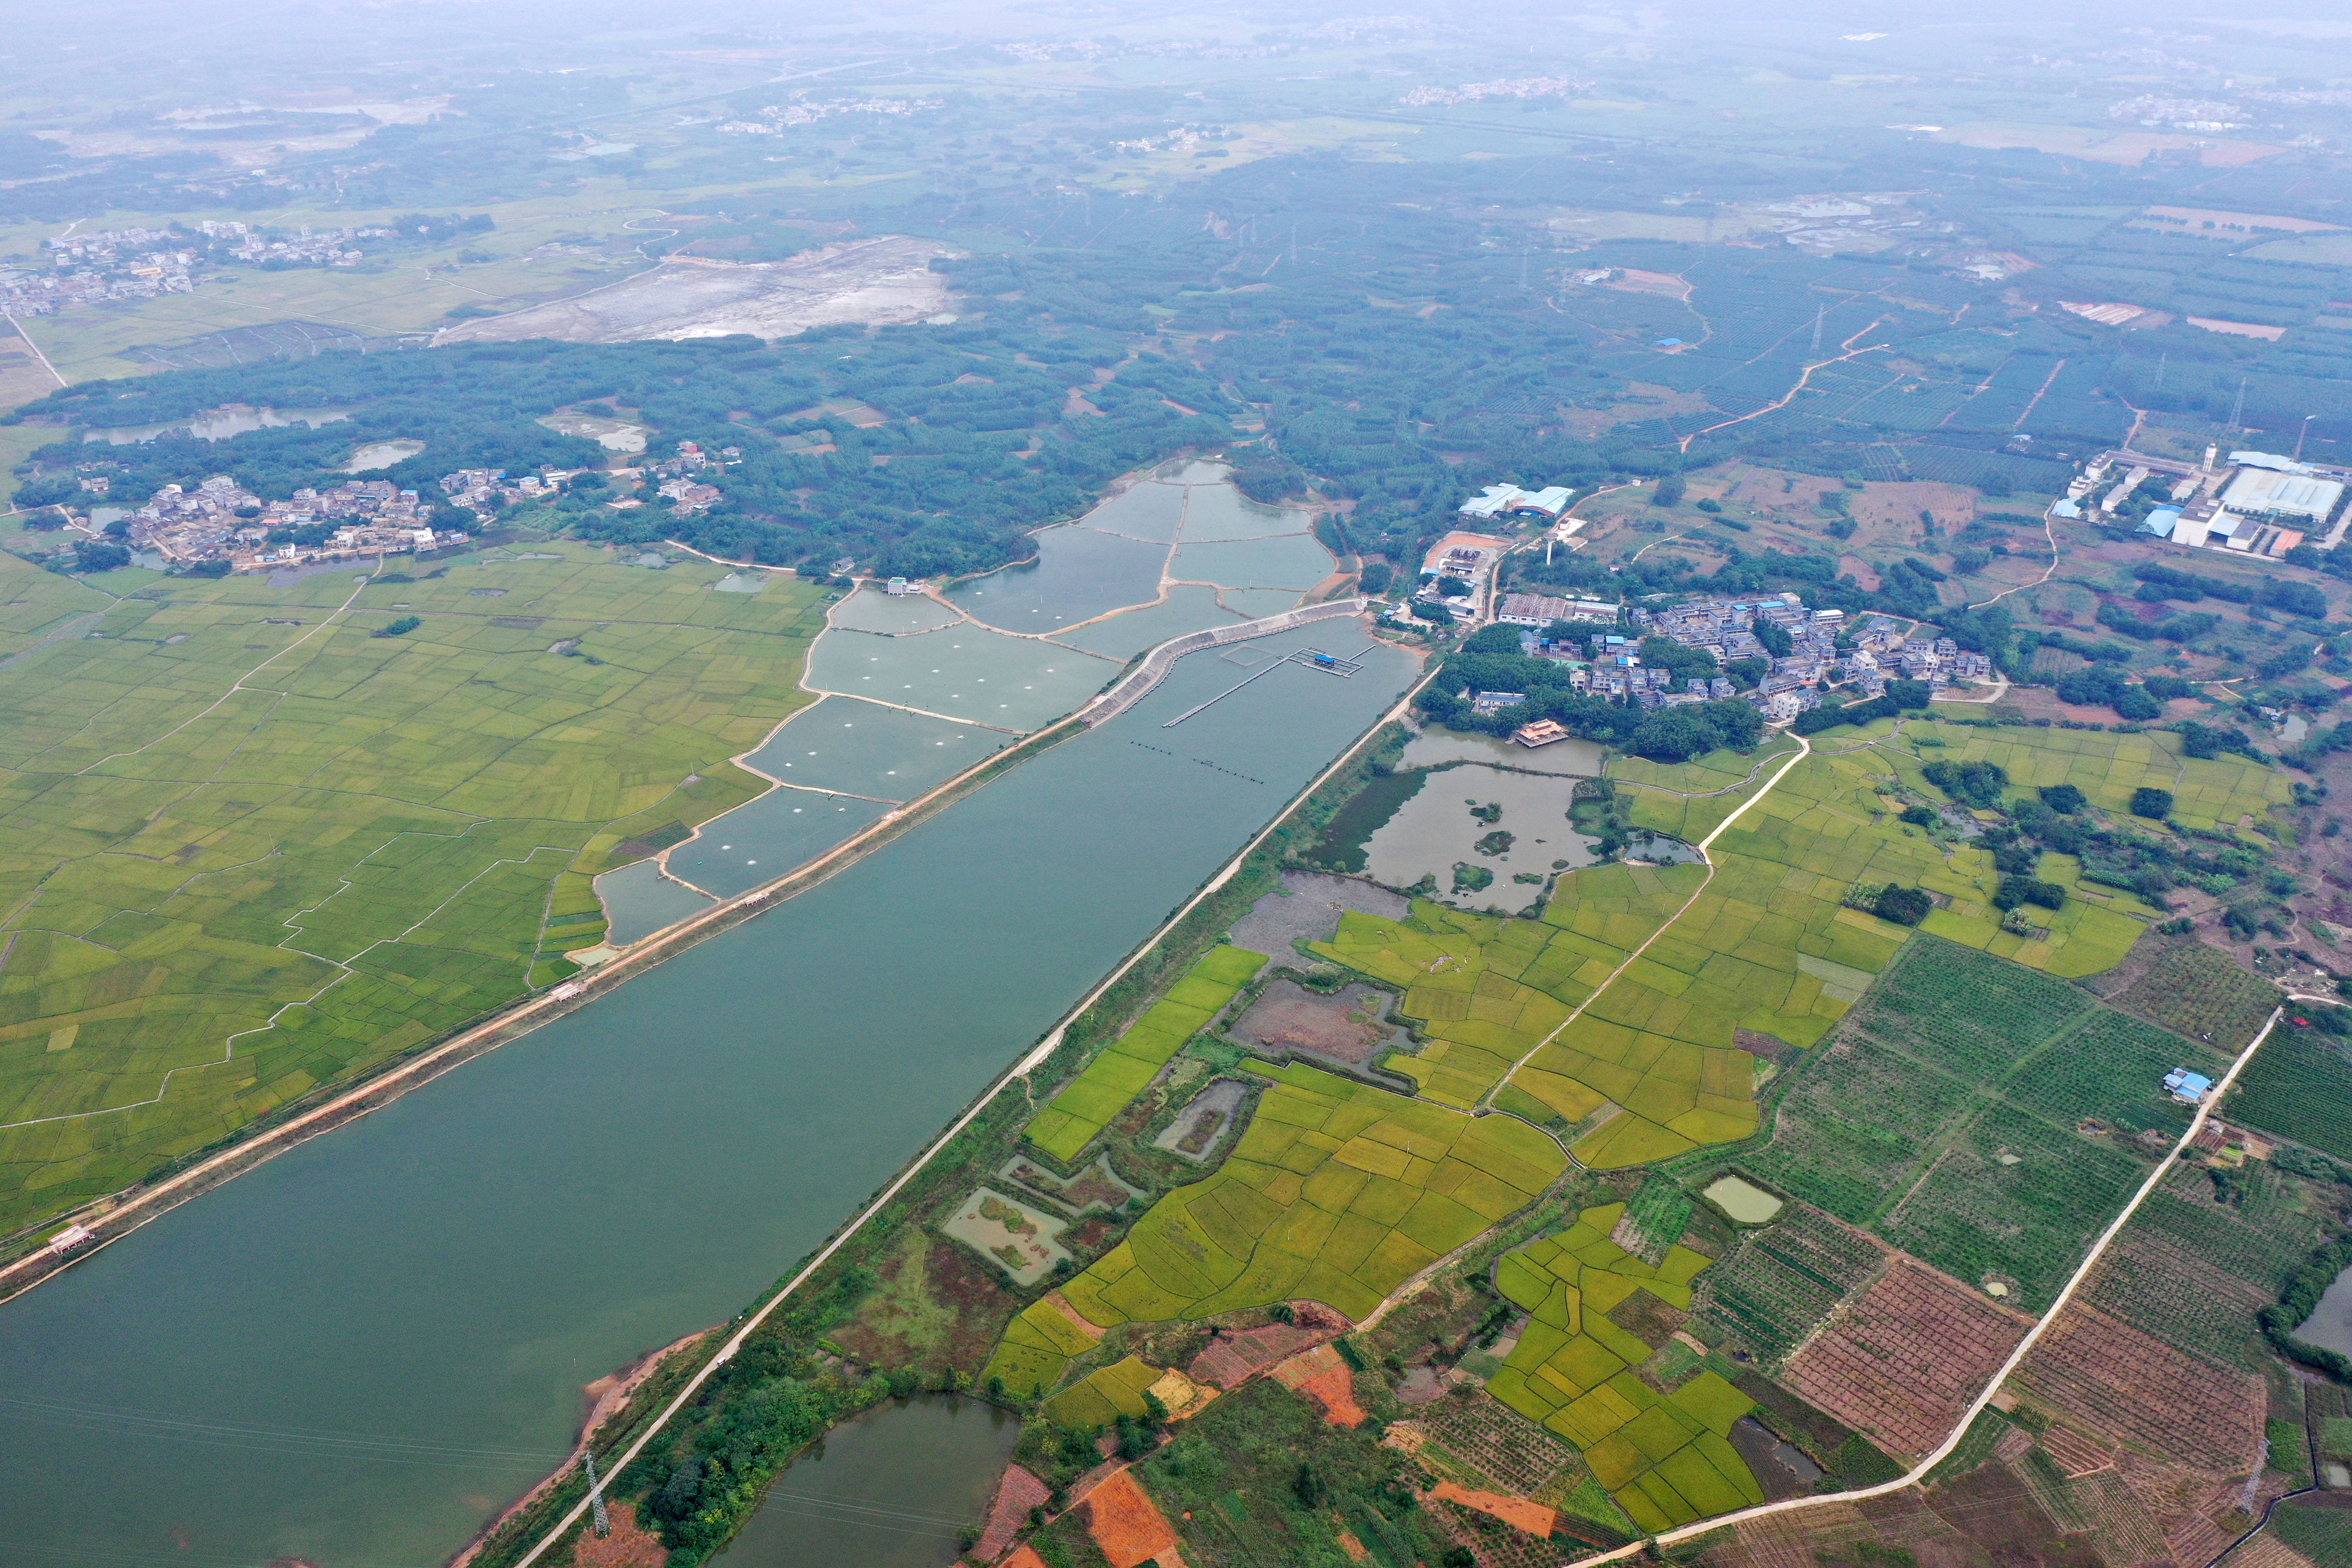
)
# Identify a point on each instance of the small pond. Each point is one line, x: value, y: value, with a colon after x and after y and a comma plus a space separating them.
x: 1748, y: 1204
x: 1658, y: 849
x: 890, y: 1487
x: 640, y: 900
x: 1785, y: 1469
x: 1580, y: 759
x: 381, y: 455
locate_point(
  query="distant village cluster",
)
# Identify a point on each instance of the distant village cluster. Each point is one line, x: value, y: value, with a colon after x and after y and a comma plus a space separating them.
x: 220, y: 520
x: 2259, y: 503
x: 777, y: 117
x: 1515, y: 87
x: 1797, y: 652
x: 1873, y: 652
x: 140, y: 263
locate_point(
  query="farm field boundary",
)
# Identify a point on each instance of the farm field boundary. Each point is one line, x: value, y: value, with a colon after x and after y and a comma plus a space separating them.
x: 1976, y: 1407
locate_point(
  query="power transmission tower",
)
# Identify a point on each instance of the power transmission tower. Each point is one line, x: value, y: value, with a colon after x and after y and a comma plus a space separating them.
x: 2238, y: 407
x: 1523, y: 269
x: 2161, y: 360
x: 1818, y: 310
x: 596, y: 1498
x: 1294, y: 245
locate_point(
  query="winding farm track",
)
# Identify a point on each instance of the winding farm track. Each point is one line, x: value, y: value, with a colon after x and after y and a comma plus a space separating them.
x: 2047, y: 572
x: 1944, y: 1450
x: 1804, y: 749
x: 1784, y: 399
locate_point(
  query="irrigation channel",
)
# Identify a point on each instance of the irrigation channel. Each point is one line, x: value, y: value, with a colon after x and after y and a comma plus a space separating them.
x: 356, y: 1354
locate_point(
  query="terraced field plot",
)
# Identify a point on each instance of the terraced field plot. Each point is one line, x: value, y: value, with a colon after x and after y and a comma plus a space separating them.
x: 373, y: 840
x: 1666, y: 1458
x: 1336, y: 1193
x: 1087, y: 1104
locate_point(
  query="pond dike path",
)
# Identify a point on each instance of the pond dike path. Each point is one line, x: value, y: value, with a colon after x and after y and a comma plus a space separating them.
x: 1138, y: 682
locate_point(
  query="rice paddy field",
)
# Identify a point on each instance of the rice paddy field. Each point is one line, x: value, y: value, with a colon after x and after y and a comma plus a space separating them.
x: 1686, y: 800
x: 1485, y: 990
x: 1085, y: 1105
x: 251, y: 846
x: 2208, y: 792
x: 1666, y: 1458
x: 1336, y: 1192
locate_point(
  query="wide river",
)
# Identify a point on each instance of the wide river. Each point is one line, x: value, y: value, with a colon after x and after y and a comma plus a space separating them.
x: 357, y: 1352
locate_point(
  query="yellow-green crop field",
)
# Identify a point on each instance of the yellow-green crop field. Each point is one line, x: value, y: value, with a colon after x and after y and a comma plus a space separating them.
x: 1338, y: 1192
x: 1666, y: 1458
x: 1686, y: 800
x: 249, y: 848
x: 1486, y: 990
x: 1087, y: 1104
x: 2207, y: 792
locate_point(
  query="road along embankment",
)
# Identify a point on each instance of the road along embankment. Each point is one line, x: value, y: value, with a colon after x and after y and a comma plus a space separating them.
x: 1139, y: 682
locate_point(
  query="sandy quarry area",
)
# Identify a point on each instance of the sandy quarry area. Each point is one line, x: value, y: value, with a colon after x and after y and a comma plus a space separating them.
x: 884, y: 281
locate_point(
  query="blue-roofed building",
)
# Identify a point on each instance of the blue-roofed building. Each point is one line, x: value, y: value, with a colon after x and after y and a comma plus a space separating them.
x: 2161, y: 521
x: 2189, y: 1088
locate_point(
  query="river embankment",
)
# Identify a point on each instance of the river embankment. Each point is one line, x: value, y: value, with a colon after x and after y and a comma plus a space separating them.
x: 447, y: 1272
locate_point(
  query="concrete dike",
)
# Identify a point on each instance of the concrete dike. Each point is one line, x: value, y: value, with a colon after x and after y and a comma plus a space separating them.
x: 1139, y: 682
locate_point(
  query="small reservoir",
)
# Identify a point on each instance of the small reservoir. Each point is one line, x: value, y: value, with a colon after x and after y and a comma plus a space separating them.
x: 889, y: 1487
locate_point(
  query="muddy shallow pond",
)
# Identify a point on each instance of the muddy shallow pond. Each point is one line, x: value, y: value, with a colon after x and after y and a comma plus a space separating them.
x: 1506, y: 824
x: 889, y: 1487
x: 1748, y: 1204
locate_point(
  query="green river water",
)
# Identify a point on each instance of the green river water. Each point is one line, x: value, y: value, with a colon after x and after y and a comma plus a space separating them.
x: 357, y: 1352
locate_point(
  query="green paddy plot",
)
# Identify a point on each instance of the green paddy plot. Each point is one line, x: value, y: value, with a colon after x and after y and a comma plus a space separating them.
x: 1338, y: 1192
x: 1150, y: 512
x: 1079, y: 574
x: 1087, y: 1104
x: 1293, y: 561
x: 1101, y: 1398
x: 871, y: 610
x: 1665, y: 1456
x: 862, y: 748
x: 1687, y: 800
x: 762, y: 839
x: 2207, y: 792
x: 1484, y: 991
x: 1768, y: 946
x: 250, y: 848
x: 36, y: 605
x: 963, y: 672
x: 1189, y: 609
